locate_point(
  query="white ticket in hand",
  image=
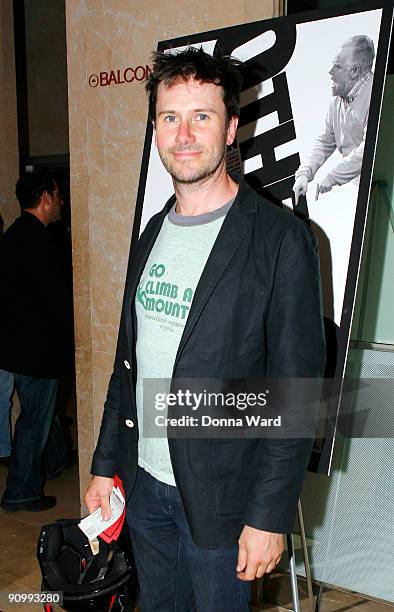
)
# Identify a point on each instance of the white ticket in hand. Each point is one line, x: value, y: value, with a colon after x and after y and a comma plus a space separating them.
x: 93, y: 524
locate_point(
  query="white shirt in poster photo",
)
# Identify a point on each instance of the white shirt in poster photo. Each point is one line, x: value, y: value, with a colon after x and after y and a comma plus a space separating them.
x: 309, y: 82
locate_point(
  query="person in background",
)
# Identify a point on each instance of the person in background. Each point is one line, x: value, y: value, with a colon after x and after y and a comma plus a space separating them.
x: 36, y: 341
x: 6, y: 389
x: 346, y: 122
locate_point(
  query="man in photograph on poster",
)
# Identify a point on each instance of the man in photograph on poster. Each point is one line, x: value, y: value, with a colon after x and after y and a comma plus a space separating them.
x: 346, y: 121
x: 239, y: 278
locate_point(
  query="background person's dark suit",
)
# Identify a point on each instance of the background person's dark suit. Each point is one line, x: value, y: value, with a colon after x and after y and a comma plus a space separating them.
x: 36, y: 343
x: 35, y: 305
x: 256, y: 312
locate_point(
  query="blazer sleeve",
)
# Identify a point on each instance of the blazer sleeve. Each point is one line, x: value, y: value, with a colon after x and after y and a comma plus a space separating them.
x: 105, y: 456
x: 324, y: 146
x: 295, y: 349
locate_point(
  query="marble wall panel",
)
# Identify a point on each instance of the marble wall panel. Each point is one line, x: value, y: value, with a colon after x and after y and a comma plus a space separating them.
x: 102, y: 369
x: 99, y: 42
x: 79, y: 163
x: 85, y: 461
x: 104, y: 337
x: 96, y: 7
x: 78, y: 133
x: 262, y: 9
x: 107, y: 128
x: 81, y: 266
x: 84, y: 381
x: 83, y: 320
x: 76, y: 51
x: 116, y: 113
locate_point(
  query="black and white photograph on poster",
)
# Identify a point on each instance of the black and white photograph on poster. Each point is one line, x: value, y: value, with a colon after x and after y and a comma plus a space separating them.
x: 310, y: 107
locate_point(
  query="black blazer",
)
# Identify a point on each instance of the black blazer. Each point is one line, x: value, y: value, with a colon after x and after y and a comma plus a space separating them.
x: 256, y: 312
x: 35, y: 305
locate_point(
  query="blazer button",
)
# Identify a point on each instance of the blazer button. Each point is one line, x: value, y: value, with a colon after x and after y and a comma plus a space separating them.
x: 129, y: 423
x: 127, y: 364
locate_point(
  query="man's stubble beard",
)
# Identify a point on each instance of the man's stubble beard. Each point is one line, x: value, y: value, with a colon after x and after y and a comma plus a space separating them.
x: 343, y: 89
x: 201, y: 173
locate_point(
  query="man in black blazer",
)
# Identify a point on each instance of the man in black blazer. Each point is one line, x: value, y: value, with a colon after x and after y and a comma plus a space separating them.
x: 222, y: 285
x: 36, y: 340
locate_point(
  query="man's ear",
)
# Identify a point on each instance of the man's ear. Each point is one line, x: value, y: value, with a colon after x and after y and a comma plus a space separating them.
x: 356, y: 71
x: 43, y: 201
x: 45, y: 198
x: 232, y: 129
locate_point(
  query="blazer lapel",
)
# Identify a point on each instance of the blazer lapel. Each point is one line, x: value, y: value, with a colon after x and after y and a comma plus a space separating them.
x: 138, y: 259
x: 236, y: 225
x: 144, y: 247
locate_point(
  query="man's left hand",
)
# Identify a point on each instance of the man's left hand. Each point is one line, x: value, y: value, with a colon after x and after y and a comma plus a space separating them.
x: 259, y: 552
x: 322, y: 187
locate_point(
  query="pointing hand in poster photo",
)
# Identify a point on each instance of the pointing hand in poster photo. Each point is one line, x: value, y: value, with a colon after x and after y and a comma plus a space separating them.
x: 323, y: 187
x: 346, y: 121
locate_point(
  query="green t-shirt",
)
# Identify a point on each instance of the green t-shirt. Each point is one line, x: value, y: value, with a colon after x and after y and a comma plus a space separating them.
x: 163, y: 300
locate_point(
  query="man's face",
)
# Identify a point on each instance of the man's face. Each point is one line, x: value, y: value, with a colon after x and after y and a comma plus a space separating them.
x: 192, y: 131
x: 344, y: 74
x: 54, y: 205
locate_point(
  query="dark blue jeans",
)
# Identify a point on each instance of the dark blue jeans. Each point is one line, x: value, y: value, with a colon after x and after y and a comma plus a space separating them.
x: 174, y: 573
x: 6, y: 389
x: 26, y: 478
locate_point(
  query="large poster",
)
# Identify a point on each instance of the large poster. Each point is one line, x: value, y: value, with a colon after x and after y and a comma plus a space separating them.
x: 297, y: 133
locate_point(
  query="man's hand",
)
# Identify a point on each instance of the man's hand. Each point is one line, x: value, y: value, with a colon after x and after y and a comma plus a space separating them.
x: 98, y: 494
x: 323, y: 187
x: 300, y: 187
x: 259, y: 552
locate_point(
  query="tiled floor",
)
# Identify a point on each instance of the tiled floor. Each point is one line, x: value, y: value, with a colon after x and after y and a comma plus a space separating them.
x: 277, y: 589
x: 19, y: 569
x: 19, y: 532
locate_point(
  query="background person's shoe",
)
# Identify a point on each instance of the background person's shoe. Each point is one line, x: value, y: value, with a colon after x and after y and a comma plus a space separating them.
x: 36, y: 505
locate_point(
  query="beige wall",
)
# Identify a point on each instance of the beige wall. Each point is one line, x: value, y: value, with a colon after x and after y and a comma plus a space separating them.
x: 107, y: 126
x: 9, y: 208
